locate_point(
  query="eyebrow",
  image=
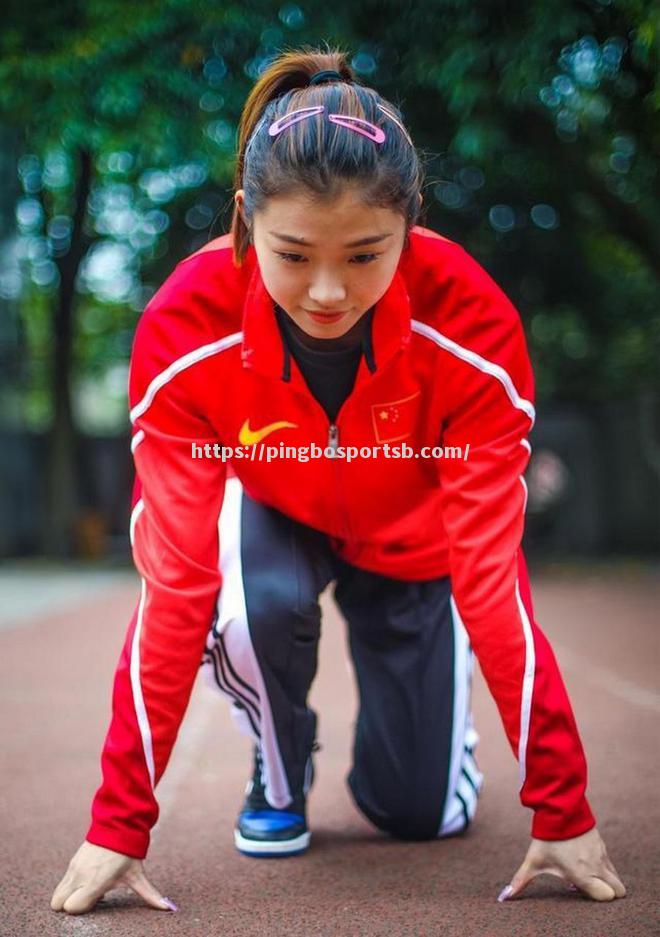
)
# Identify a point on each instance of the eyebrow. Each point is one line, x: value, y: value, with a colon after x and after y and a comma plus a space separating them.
x: 372, y: 239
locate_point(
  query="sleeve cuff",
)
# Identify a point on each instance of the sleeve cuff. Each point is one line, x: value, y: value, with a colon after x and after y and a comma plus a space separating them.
x: 129, y: 842
x: 552, y: 825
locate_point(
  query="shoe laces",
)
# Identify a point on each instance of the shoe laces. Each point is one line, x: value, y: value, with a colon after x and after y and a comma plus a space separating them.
x: 256, y: 789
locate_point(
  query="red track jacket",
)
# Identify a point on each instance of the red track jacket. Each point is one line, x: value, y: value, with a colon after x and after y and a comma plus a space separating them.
x: 451, y: 368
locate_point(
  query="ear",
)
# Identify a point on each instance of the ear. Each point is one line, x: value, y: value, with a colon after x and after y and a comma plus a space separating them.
x: 239, y: 201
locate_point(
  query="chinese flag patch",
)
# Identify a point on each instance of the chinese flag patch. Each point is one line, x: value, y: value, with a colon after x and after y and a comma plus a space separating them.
x: 394, y: 420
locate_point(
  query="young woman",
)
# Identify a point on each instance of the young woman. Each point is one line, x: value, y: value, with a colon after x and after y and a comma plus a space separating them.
x: 391, y: 370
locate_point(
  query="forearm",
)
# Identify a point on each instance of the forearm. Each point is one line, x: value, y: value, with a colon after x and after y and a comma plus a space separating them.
x: 523, y: 677
x: 152, y: 686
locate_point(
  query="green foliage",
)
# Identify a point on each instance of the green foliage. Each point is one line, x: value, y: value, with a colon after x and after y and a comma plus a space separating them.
x: 538, y: 122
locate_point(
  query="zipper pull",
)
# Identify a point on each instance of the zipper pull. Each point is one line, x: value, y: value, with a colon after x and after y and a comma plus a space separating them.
x: 333, y: 438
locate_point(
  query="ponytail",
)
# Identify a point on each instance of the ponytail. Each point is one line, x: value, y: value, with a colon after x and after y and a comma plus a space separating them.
x: 392, y: 178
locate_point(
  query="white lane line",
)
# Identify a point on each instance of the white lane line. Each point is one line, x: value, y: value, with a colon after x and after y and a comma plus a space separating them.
x: 203, y: 712
x: 76, y: 925
x: 609, y: 681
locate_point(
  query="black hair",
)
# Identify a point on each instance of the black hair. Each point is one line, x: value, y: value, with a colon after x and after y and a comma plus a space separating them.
x: 316, y: 154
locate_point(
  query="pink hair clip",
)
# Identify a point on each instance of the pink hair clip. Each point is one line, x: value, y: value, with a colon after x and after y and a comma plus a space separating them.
x: 359, y: 126
x: 388, y: 113
x: 292, y: 118
x: 343, y: 120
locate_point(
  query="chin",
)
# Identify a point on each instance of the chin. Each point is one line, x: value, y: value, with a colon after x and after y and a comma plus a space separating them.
x: 327, y: 333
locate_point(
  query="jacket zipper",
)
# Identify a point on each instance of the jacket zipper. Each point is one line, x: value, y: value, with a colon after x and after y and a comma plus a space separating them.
x: 333, y: 438
x: 333, y: 444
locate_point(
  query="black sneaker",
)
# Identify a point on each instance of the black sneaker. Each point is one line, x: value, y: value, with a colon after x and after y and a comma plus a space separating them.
x: 263, y: 831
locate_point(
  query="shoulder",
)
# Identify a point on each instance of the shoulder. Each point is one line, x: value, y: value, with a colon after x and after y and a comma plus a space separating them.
x: 203, y: 295
x: 195, y: 313
x: 451, y: 293
x: 461, y: 311
x: 450, y: 290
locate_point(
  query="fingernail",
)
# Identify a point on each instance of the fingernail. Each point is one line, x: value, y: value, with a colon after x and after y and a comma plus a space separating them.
x: 573, y: 887
x: 504, y: 894
x: 170, y: 904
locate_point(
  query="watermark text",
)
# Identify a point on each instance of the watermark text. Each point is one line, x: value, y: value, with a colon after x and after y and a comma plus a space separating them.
x: 262, y: 452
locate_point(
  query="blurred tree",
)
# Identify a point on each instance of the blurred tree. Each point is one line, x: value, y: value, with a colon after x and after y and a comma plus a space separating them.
x: 123, y: 116
x: 11, y: 364
x: 541, y: 123
x: 538, y: 120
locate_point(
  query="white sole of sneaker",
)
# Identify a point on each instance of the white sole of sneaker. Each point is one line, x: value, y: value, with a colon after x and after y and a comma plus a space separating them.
x: 255, y: 847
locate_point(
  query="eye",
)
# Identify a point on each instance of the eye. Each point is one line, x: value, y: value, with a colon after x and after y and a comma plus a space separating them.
x: 365, y: 258
x: 359, y: 259
x: 290, y: 258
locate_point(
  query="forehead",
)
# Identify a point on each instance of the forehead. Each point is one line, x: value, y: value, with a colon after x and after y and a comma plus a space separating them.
x: 344, y: 217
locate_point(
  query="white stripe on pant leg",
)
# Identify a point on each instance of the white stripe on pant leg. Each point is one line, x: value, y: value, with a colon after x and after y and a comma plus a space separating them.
x: 468, y: 793
x: 471, y: 768
x: 242, y: 723
x: 453, y: 817
x: 220, y: 678
x: 232, y: 624
x: 471, y: 734
x: 463, y: 734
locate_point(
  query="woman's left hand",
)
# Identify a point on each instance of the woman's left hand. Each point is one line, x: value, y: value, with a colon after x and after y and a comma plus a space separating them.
x: 581, y: 861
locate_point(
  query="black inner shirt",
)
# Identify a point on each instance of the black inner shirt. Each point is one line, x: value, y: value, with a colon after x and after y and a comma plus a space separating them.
x: 329, y: 365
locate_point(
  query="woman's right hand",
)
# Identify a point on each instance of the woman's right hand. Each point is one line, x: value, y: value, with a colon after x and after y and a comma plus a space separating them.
x: 93, y: 871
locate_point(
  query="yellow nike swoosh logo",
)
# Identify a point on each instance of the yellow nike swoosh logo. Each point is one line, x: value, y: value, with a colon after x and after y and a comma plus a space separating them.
x: 248, y: 437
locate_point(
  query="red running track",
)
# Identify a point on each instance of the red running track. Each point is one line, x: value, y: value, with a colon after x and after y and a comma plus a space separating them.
x: 56, y: 670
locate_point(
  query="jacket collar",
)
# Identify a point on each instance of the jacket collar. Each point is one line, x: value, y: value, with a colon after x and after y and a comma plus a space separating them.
x: 265, y: 351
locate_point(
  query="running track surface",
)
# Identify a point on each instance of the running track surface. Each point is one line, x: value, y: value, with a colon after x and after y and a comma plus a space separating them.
x: 56, y: 664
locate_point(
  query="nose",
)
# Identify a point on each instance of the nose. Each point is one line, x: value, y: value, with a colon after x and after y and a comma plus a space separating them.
x: 327, y: 293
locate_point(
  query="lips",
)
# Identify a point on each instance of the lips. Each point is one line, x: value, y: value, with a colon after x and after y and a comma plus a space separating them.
x: 326, y: 316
